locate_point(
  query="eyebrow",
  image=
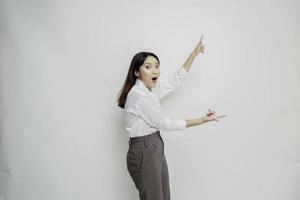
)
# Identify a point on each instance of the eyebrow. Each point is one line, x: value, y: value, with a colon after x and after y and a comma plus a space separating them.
x: 150, y: 63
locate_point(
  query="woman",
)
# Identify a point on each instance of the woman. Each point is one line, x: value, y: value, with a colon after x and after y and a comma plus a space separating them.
x: 140, y: 98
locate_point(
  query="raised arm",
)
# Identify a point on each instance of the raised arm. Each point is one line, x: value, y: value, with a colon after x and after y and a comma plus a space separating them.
x: 166, y: 85
x: 199, y: 48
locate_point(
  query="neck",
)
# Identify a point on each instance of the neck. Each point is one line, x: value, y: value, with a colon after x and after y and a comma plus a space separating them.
x: 149, y: 88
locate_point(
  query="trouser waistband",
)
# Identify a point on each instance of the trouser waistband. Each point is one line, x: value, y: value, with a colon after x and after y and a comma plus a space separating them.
x: 146, y: 139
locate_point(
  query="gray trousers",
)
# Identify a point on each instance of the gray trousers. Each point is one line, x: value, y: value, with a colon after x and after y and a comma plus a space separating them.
x: 147, y: 166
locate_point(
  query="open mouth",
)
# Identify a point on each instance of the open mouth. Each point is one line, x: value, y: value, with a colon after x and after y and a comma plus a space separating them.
x: 154, y: 79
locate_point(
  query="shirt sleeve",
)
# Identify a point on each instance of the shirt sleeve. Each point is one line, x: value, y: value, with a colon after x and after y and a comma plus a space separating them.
x: 166, y: 85
x: 154, y: 116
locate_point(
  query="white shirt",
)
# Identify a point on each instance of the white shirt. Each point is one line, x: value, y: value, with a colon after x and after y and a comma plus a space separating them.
x: 143, y: 113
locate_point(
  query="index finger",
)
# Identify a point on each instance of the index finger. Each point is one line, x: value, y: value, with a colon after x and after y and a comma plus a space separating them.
x: 201, y: 39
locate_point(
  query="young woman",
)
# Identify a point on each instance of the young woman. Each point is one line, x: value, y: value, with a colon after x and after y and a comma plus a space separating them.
x: 140, y: 98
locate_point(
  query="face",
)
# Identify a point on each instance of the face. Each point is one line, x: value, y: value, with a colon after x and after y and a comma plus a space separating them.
x: 149, y: 72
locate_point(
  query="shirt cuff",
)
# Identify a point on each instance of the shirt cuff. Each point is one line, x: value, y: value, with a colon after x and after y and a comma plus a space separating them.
x: 181, y: 124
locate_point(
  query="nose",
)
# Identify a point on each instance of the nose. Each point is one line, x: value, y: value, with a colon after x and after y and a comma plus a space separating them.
x: 155, y: 71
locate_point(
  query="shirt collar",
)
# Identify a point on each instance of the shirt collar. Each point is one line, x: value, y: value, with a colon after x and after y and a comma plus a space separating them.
x: 141, y: 84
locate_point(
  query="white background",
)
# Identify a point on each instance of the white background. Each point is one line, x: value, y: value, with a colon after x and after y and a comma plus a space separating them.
x: 63, y: 62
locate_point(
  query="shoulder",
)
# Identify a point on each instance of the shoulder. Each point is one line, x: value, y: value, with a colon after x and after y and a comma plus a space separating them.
x: 136, y: 92
x: 134, y: 96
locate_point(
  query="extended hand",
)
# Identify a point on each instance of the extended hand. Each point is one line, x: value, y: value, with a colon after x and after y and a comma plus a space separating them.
x: 200, y: 47
x: 211, y: 116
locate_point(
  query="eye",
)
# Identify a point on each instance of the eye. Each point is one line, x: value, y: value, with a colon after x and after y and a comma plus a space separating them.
x: 147, y: 66
x: 157, y: 66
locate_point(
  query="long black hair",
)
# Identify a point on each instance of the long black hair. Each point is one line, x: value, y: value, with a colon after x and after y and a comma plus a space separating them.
x: 136, y: 62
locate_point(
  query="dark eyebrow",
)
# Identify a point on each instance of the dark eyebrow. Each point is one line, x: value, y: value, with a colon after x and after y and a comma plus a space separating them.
x: 150, y: 63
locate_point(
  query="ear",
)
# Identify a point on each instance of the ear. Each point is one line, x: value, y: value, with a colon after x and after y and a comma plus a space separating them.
x: 136, y: 73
